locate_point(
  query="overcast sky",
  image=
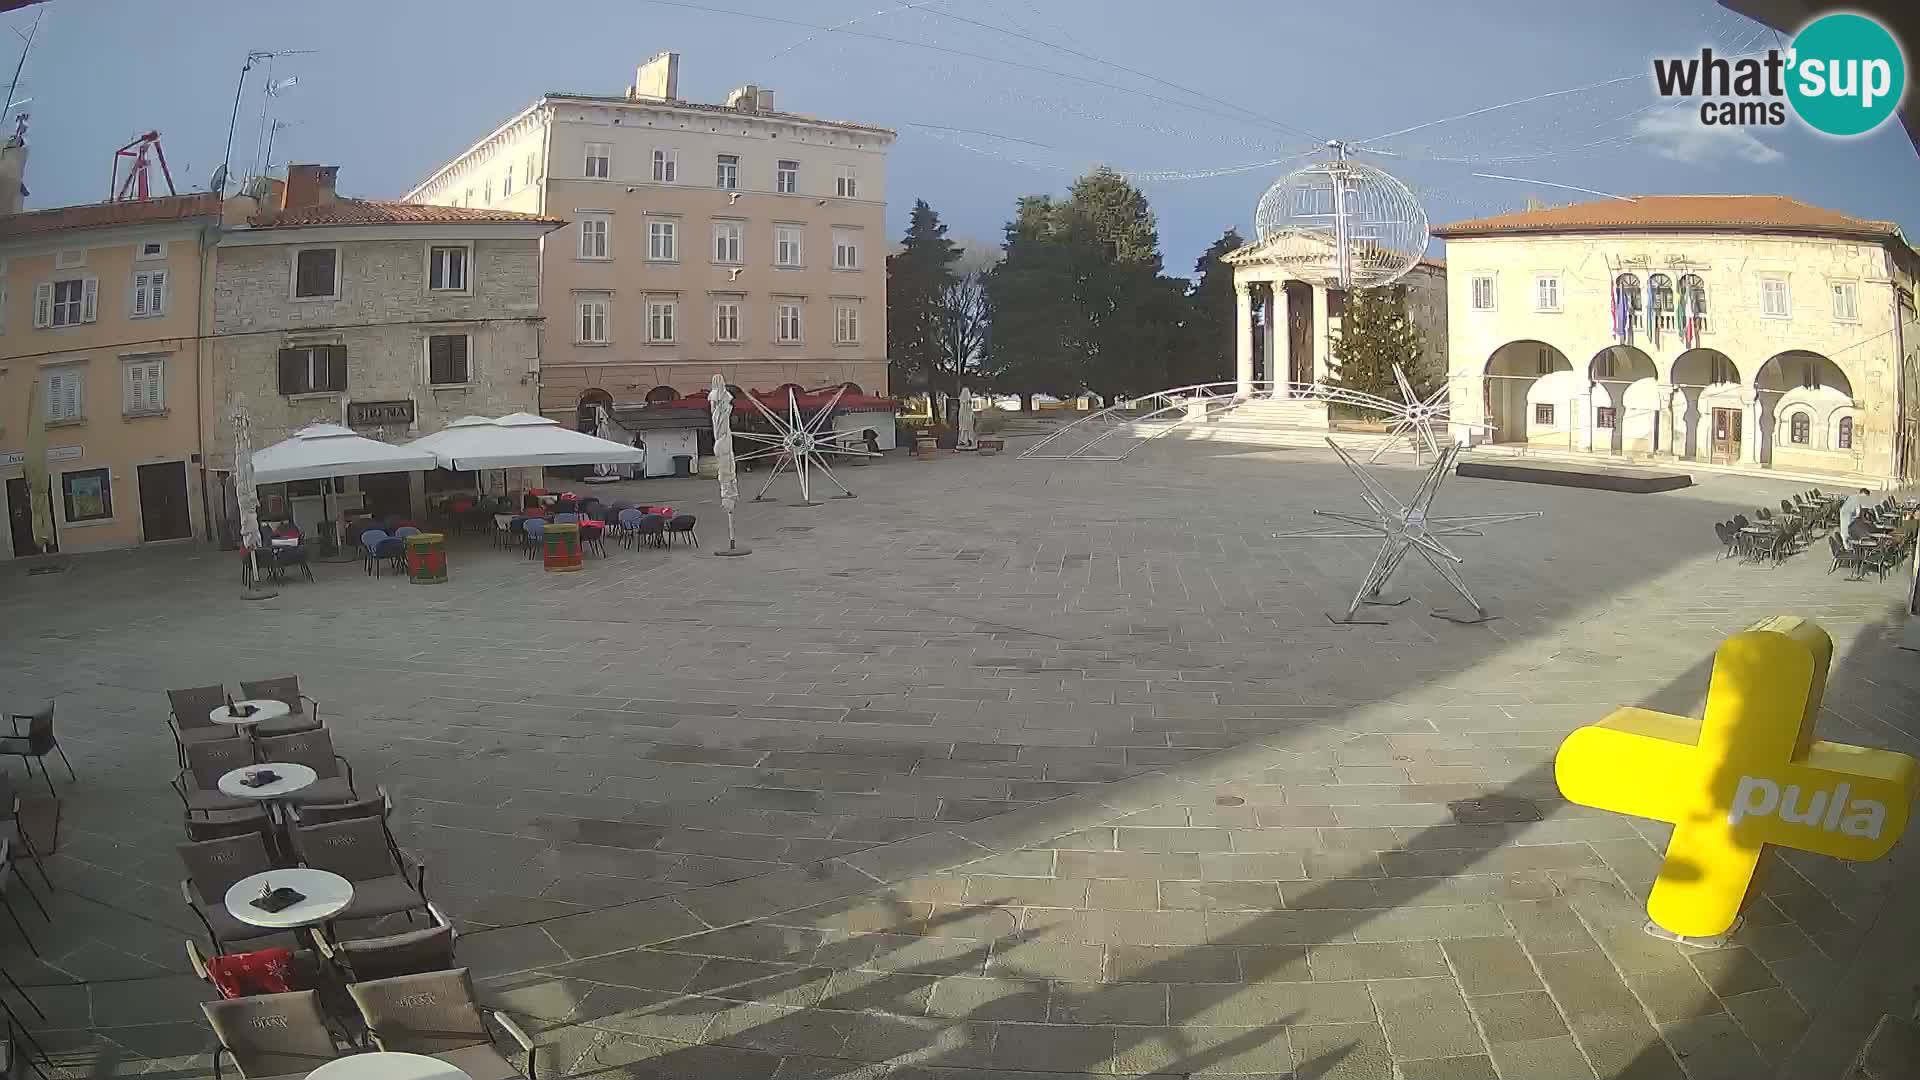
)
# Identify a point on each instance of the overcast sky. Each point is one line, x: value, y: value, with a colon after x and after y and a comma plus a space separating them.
x: 1043, y: 89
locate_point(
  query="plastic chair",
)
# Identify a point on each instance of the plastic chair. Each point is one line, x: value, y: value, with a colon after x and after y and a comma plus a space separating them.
x: 36, y: 743
x: 682, y: 525
x: 405, y: 531
x: 629, y: 519
x: 370, y: 541
x: 188, y: 720
x: 652, y: 529
x: 435, y: 1013
x: 392, y: 549
x: 536, y: 533
x: 567, y: 518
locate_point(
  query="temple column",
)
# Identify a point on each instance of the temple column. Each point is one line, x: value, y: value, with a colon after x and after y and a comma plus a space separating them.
x: 1663, y: 418
x: 1267, y: 338
x: 1320, y: 348
x: 1243, y: 339
x: 1280, y: 338
x: 1750, y: 438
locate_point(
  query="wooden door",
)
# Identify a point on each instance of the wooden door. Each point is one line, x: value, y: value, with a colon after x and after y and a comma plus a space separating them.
x: 20, y: 519
x: 1726, y: 436
x: 163, y: 502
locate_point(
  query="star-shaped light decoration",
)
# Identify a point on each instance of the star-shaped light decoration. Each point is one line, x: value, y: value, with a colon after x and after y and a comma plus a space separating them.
x: 1414, y: 419
x: 801, y: 445
x: 1405, y: 527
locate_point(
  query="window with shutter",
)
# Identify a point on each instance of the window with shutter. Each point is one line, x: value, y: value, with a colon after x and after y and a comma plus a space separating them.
x: 146, y: 387
x: 149, y: 293
x: 313, y: 369
x: 447, y: 360
x: 64, y: 398
x: 43, y: 304
x: 65, y: 303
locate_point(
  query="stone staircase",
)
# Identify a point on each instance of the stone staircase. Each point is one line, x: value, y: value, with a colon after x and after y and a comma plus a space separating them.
x: 1273, y: 423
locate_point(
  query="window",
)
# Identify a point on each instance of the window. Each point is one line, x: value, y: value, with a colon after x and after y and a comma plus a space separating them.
x: 1663, y: 313
x: 65, y: 303
x: 1603, y: 416
x: 86, y: 495
x: 786, y: 245
x: 486, y: 199
x: 316, y: 274
x: 846, y: 250
x: 532, y: 175
x: 726, y: 172
x: 1693, y: 302
x: 1483, y: 292
x: 786, y: 323
x: 1626, y: 289
x: 662, y: 315
x: 447, y: 268
x: 66, y: 398
x: 1546, y: 292
x: 313, y: 369
x: 846, y: 324
x: 1800, y: 429
x: 447, y: 359
x: 847, y: 184
x: 786, y: 177
x: 152, y: 249
x: 1543, y: 414
x: 599, y: 160
x: 467, y: 199
x: 727, y: 239
x: 662, y: 241
x: 593, y: 319
x: 593, y: 237
x: 726, y: 320
x: 149, y: 293
x: 666, y: 165
x: 1843, y: 436
x: 506, y: 182
x: 1603, y: 365
x: 1775, y: 302
x: 146, y: 387
x: 1846, y: 301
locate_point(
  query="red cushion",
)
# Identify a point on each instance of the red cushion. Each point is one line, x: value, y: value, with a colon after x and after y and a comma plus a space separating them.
x: 236, y: 975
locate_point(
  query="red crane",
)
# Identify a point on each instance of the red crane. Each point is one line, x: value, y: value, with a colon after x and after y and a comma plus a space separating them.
x: 134, y: 187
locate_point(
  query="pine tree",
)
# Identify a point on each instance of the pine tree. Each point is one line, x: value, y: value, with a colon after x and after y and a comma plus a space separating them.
x: 1377, y: 332
x: 918, y: 276
x: 1208, y: 351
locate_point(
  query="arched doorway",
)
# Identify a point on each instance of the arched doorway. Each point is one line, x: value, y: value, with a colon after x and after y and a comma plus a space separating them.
x: 1625, y: 403
x: 1529, y: 385
x: 1801, y: 393
x: 662, y: 393
x: 586, y: 415
x: 1706, y: 413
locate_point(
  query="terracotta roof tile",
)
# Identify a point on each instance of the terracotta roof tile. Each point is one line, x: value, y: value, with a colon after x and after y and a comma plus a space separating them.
x: 1759, y: 213
x: 344, y: 211
x: 171, y: 208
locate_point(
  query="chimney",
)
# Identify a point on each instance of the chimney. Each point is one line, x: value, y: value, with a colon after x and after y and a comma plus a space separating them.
x: 658, y: 78
x: 13, y: 175
x: 309, y: 186
x: 750, y: 99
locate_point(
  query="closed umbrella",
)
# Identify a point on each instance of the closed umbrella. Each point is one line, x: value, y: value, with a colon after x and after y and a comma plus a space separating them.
x: 720, y: 401
x: 247, y: 495
x: 34, y: 469
x: 965, y: 441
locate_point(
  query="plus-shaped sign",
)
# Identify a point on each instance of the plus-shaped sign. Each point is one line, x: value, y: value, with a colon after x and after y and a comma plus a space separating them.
x: 1749, y: 774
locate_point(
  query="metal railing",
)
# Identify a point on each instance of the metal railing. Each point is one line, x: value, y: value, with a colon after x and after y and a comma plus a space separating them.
x: 1143, y: 419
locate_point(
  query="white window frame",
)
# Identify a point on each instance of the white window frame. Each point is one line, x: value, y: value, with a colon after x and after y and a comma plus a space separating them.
x: 533, y: 173
x: 665, y: 309
x: 726, y: 172
x: 140, y: 253
x: 846, y: 322
x: 466, y: 268
x: 147, y: 297
x: 584, y: 301
x: 1546, y: 293
x: 68, y: 381
x: 1493, y: 292
x: 846, y: 184
x: 1769, y: 287
x: 1850, y: 290
x: 846, y: 249
x: 46, y: 305
x: 486, y: 196
x: 604, y: 157
x: 781, y: 308
x: 506, y: 181
x: 786, y: 177
x: 293, y: 274
x: 729, y: 243
x: 663, y: 240
x: 426, y: 362
x: 589, y: 226
x: 666, y: 165
x: 722, y: 316
x: 789, y: 247
x: 141, y: 371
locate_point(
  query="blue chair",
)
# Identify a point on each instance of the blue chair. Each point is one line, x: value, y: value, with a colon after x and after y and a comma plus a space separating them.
x: 536, y: 532
x: 405, y: 531
x: 370, y: 542
x: 394, y: 550
x: 566, y: 519
x: 629, y: 525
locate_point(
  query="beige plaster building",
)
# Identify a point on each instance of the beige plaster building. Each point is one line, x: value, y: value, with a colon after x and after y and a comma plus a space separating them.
x: 1800, y: 355
x: 99, y: 331
x: 390, y: 318
x: 732, y: 238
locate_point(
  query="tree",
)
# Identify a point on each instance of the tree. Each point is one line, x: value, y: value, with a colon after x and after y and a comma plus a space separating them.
x: 1119, y: 215
x: 1208, y: 351
x: 918, y: 276
x: 1376, y: 333
x: 962, y: 338
x: 1027, y: 350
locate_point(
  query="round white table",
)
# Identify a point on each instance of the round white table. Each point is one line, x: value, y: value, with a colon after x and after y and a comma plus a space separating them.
x: 293, y: 777
x: 264, y: 709
x: 326, y: 895
x: 386, y: 1066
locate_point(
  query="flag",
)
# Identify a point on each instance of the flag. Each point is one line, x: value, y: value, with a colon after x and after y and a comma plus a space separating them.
x: 1653, y: 322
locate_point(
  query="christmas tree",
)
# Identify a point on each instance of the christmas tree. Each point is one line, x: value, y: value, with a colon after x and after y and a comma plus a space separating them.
x: 1377, y: 333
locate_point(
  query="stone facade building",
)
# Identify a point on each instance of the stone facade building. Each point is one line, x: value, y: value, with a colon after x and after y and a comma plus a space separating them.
x: 1737, y: 329
x: 389, y: 318
x: 732, y: 238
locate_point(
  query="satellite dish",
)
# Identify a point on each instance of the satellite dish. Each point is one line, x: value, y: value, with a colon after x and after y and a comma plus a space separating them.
x: 1350, y: 223
x: 217, y: 183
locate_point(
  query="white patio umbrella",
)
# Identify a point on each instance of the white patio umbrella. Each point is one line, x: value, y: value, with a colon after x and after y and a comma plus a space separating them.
x: 966, y: 441
x: 328, y: 450
x: 720, y: 403
x: 519, y: 441
x: 246, y: 496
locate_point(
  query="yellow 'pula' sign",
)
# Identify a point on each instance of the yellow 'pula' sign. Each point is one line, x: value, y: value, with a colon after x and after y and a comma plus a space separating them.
x: 1749, y: 774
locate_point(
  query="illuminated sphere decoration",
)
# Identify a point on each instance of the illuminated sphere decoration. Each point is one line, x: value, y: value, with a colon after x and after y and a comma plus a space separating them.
x: 1354, y: 225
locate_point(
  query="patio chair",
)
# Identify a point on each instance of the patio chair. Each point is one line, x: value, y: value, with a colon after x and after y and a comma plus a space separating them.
x: 629, y: 526
x: 1729, y: 539
x: 20, y: 1045
x: 682, y: 525
x: 10, y: 813
x: 652, y: 530
x: 188, y: 719
x: 593, y: 537
x: 314, y: 749
x: 405, y: 531
x: 8, y: 875
x: 241, y: 823
x: 36, y: 743
x: 285, y: 690
x: 535, y: 530
x: 1763, y: 513
x: 410, y: 953
x: 1787, y: 507
x: 1842, y: 554
x: 378, y: 806
x: 358, y: 850
x: 271, y: 1035
x: 286, y: 558
x: 435, y: 1013
x: 213, y: 867
x: 568, y: 518
x: 198, y: 785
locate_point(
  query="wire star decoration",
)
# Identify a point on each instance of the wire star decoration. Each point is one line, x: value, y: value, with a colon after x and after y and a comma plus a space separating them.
x: 1405, y: 527
x: 801, y: 445
x: 1414, y: 419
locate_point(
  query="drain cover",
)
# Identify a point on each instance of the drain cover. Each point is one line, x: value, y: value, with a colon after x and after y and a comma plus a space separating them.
x: 1229, y: 800
x: 1493, y: 810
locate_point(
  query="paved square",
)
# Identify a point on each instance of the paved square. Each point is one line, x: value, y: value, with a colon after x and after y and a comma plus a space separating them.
x: 1004, y: 767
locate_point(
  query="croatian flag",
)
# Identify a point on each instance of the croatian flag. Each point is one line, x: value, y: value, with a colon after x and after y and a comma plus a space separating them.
x: 1653, y: 323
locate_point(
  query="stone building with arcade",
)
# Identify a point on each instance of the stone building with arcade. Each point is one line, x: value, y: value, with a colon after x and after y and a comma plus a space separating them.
x: 1749, y: 330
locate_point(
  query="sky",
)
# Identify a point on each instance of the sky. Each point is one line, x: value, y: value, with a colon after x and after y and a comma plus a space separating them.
x: 1206, y: 103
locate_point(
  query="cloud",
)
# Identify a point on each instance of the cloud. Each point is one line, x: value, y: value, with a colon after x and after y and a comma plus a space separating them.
x: 1678, y: 134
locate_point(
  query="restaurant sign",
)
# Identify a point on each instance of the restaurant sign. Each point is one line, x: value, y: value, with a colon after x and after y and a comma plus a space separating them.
x: 379, y: 413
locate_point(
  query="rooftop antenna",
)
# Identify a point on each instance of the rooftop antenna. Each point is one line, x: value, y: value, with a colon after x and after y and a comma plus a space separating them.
x: 239, y: 87
x: 28, y: 37
x: 272, y: 91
